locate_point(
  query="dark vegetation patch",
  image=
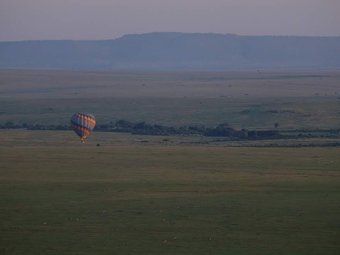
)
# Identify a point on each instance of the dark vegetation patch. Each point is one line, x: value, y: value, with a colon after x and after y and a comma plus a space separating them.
x: 221, y: 130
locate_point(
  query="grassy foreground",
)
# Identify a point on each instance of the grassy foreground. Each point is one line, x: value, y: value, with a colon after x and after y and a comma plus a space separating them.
x: 61, y: 197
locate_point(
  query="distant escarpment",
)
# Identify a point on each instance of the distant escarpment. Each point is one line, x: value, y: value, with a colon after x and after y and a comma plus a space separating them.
x: 176, y: 51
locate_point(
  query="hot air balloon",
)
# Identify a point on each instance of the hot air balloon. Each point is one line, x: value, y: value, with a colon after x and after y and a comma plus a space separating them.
x: 83, y: 124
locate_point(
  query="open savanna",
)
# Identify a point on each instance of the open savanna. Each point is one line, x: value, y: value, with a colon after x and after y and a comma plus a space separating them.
x: 136, y: 194
x: 253, y: 100
x: 128, y: 196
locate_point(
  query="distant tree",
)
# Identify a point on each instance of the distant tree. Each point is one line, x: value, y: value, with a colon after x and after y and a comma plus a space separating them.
x: 9, y: 124
x: 124, y: 124
x: 221, y: 130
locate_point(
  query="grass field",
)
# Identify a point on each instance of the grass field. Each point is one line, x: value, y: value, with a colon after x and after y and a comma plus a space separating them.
x: 127, y: 197
x: 135, y: 194
x: 253, y: 100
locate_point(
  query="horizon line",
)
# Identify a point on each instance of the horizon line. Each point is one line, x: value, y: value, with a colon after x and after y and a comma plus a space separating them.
x: 188, y: 33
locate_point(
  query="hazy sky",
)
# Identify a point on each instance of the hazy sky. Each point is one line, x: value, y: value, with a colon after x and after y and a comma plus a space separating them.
x: 106, y: 19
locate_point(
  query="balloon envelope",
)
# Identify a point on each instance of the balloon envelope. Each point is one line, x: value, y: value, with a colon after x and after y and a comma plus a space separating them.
x: 83, y: 124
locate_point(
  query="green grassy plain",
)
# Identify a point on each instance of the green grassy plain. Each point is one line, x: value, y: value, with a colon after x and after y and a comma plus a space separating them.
x: 138, y: 194
x: 253, y: 100
x: 130, y: 197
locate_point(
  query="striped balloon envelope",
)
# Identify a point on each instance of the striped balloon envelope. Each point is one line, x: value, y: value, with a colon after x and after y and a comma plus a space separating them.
x: 83, y: 124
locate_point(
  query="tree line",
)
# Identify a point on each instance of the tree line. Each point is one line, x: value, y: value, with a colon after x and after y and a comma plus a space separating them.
x: 221, y: 130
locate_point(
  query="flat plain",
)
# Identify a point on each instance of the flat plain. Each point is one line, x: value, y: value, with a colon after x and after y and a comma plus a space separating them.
x: 254, y: 100
x: 133, y: 194
x: 132, y: 197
